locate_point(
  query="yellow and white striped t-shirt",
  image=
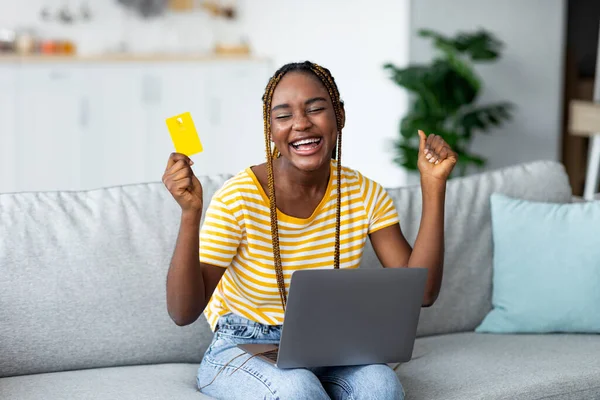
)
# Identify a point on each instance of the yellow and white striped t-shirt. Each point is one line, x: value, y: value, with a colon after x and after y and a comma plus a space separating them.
x: 236, y: 234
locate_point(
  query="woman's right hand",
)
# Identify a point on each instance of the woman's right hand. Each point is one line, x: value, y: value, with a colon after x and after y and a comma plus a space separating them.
x: 182, y: 183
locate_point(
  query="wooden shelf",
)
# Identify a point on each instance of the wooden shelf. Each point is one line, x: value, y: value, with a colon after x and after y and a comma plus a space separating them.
x: 109, y: 58
x: 584, y: 118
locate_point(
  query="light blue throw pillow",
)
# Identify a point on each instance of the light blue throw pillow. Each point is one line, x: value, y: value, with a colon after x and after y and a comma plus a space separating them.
x: 546, y: 273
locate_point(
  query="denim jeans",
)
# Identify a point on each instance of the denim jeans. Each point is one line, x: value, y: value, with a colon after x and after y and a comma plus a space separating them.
x: 220, y: 377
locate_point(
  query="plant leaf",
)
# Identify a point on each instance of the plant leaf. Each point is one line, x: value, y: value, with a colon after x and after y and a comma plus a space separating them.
x: 443, y: 95
x: 415, y: 79
x: 467, y: 73
x: 481, y: 45
x: 451, y: 87
x: 439, y: 41
x: 484, y: 117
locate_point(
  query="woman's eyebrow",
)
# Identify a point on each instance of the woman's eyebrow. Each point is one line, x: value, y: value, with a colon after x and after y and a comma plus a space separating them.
x: 277, y: 107
x: 314, y: 100
x: 307, y: 102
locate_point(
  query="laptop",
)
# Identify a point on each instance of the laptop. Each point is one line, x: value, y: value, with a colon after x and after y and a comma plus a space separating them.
x: 342, y: 317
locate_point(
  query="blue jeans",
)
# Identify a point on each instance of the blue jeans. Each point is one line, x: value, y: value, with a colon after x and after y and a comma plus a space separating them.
x: 220, y: 377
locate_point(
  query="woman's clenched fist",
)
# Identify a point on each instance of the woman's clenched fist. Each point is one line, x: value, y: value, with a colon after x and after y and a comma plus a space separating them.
x: 181, y: 182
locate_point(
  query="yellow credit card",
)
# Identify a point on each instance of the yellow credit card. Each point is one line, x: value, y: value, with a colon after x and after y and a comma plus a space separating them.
x: 184, y: 135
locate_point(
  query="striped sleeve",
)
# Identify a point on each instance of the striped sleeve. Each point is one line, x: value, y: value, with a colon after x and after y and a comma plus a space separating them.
x: 379, y: 206
x: 220, y: 235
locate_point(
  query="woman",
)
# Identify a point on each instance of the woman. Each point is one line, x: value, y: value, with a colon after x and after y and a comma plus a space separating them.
x: 284, y: 215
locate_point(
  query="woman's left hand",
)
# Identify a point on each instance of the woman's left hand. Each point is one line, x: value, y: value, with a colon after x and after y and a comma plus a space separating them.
x: 436, y: 158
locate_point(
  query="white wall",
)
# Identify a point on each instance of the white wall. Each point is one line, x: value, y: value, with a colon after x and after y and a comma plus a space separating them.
x: 353, y: 40
x: 529, y: 74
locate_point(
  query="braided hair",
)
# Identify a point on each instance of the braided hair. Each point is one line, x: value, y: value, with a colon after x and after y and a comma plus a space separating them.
x: 328, y: 82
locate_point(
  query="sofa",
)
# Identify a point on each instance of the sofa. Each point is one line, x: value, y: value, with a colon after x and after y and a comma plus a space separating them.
x: 83, y: 307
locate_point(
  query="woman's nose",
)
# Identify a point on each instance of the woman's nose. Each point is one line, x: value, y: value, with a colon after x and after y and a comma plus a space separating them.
x: 301, y: 122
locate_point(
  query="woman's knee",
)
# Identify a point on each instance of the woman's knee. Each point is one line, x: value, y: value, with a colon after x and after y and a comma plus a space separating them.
x: 298, y: 384
x: 260, y: 381
x: 377, y: 382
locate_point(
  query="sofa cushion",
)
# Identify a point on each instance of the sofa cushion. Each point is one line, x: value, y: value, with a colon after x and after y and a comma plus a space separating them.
x: 82, y: 280
x: 546, y: 267
x: 157, y: 382
x: 457, y: 366
x: 465, y: 297
x: 488, y: 366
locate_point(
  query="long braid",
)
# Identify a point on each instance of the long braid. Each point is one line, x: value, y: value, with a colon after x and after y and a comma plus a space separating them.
x: 271, y: 182
x: 327, y: 80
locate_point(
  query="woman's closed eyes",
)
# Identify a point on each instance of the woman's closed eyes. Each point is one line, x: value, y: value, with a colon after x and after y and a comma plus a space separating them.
x: 310, y: 111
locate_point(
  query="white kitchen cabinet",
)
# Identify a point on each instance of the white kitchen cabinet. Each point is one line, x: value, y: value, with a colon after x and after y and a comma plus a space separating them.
x: 8, y: 127
x: 129, y: 107
x: 224, y: 100
x: 112, y: 144
x: 84, y: 125
x: 49, y: 113
x: 171, y: 90
x: 236, y: 134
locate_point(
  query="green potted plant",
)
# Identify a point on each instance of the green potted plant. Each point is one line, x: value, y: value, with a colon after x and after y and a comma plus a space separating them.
x: 444, y: 96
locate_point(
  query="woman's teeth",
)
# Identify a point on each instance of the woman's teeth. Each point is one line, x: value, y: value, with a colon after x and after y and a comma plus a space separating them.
x: 306, y: 144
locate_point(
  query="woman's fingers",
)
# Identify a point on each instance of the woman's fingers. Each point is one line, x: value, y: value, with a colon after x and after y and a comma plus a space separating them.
x: 174, y: 158
x: 436, y: 149
x: 177, y: 167
x: 181, y: 174
x: 428, y: 143
x: 183, y: 184
x: 430, y: 148
x: 442, y: 154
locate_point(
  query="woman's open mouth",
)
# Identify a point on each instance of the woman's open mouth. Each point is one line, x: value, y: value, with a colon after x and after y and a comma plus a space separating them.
x: 307, y: 146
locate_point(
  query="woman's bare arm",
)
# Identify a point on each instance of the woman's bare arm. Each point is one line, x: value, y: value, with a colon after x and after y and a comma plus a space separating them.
x: 190, y: 283
x: 436, y: 161
x: 393, y: 250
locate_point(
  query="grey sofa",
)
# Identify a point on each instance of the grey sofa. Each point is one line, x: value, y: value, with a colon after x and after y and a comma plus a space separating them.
x: 83, y: 315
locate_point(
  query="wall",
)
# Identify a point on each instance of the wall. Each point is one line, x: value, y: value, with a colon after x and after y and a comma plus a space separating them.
x: 353, y: 41
x: 529, y: 74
